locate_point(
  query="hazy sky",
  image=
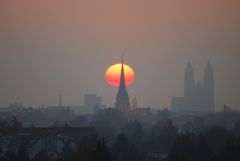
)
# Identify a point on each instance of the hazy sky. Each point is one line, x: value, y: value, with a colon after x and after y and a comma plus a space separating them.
x: 49, y: 47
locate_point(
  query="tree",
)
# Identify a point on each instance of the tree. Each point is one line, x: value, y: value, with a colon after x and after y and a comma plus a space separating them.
x: 84, y: 151
x: 182, y: 149
x: 218, y: 138
x: 137, y: 130
x: 236, y: 128
x: 107, y: 132
x: 197, y: 126
x: 102, y: 152
x: 133, y: 154
x: 127, y: 129
x: 122, y: 144
x: 127, y: 151
x: 164, y: 134
x: 230, y: 152
x: 202, y: 150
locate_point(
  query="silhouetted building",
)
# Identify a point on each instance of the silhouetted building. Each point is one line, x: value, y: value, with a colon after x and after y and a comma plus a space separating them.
x: 49, y: 139
x: 197, y: 97
x: 122, y: 101
x: 134, y: 104
x: 142, y: 112
x: 92, y: 101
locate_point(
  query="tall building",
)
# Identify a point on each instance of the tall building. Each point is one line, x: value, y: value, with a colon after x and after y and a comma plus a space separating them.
x: 122, y: 100
x: 209, y: 85
x: 198, y: 97
x: 92, y: 102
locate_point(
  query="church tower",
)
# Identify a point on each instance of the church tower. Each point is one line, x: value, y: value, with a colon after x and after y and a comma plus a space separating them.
x: 189, y: 81
x: 209, y: 86
x: 122, y: 101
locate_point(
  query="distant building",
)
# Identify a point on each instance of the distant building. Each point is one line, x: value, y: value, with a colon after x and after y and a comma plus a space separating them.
x: 198, y: 97
x: 92, y: 102
x: 134, y: 104
x: 142, y: 112
x: 44, y: 139
x: 122, y: 100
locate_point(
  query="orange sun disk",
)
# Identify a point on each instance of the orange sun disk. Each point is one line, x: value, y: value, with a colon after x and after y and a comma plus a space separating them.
x: 113, y: 74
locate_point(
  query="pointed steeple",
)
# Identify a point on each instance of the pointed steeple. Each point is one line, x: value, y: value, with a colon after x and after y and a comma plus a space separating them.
x: 209, y: 85
x: 189, y: 80
x: 122, y: 100
x: 122, y: 85
x: 208, y: 76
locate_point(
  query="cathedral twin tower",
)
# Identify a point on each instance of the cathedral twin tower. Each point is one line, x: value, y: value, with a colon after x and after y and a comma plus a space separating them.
x: 198, y: 97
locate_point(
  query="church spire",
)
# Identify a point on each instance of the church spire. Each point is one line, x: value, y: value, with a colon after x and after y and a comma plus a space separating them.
x: 122, y: 85
x: 122, y: 100
x: 189, y: 80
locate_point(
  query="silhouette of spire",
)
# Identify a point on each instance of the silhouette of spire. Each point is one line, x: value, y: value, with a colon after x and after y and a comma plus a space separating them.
x: 208, y: 73
x: 122, y: 85
x: 208, y: 81
x: 189, y: 80
x: 122, y: 100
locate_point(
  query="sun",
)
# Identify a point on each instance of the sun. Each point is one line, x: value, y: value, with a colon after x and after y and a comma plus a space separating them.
x: 113, y: 73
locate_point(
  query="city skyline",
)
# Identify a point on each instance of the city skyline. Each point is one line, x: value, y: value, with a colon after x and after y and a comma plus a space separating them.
x: 119, y: 80
x: 50, y: 47
x: 81, y: 101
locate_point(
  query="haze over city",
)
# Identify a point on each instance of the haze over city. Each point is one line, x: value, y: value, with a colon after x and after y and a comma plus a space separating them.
x: 49, y: 47
x: 119, y: 80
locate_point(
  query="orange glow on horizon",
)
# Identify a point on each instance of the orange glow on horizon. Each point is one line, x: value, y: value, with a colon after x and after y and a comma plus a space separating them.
x: 113, y: 74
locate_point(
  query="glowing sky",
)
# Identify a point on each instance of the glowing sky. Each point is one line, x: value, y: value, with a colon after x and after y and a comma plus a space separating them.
x: 53, y: 46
